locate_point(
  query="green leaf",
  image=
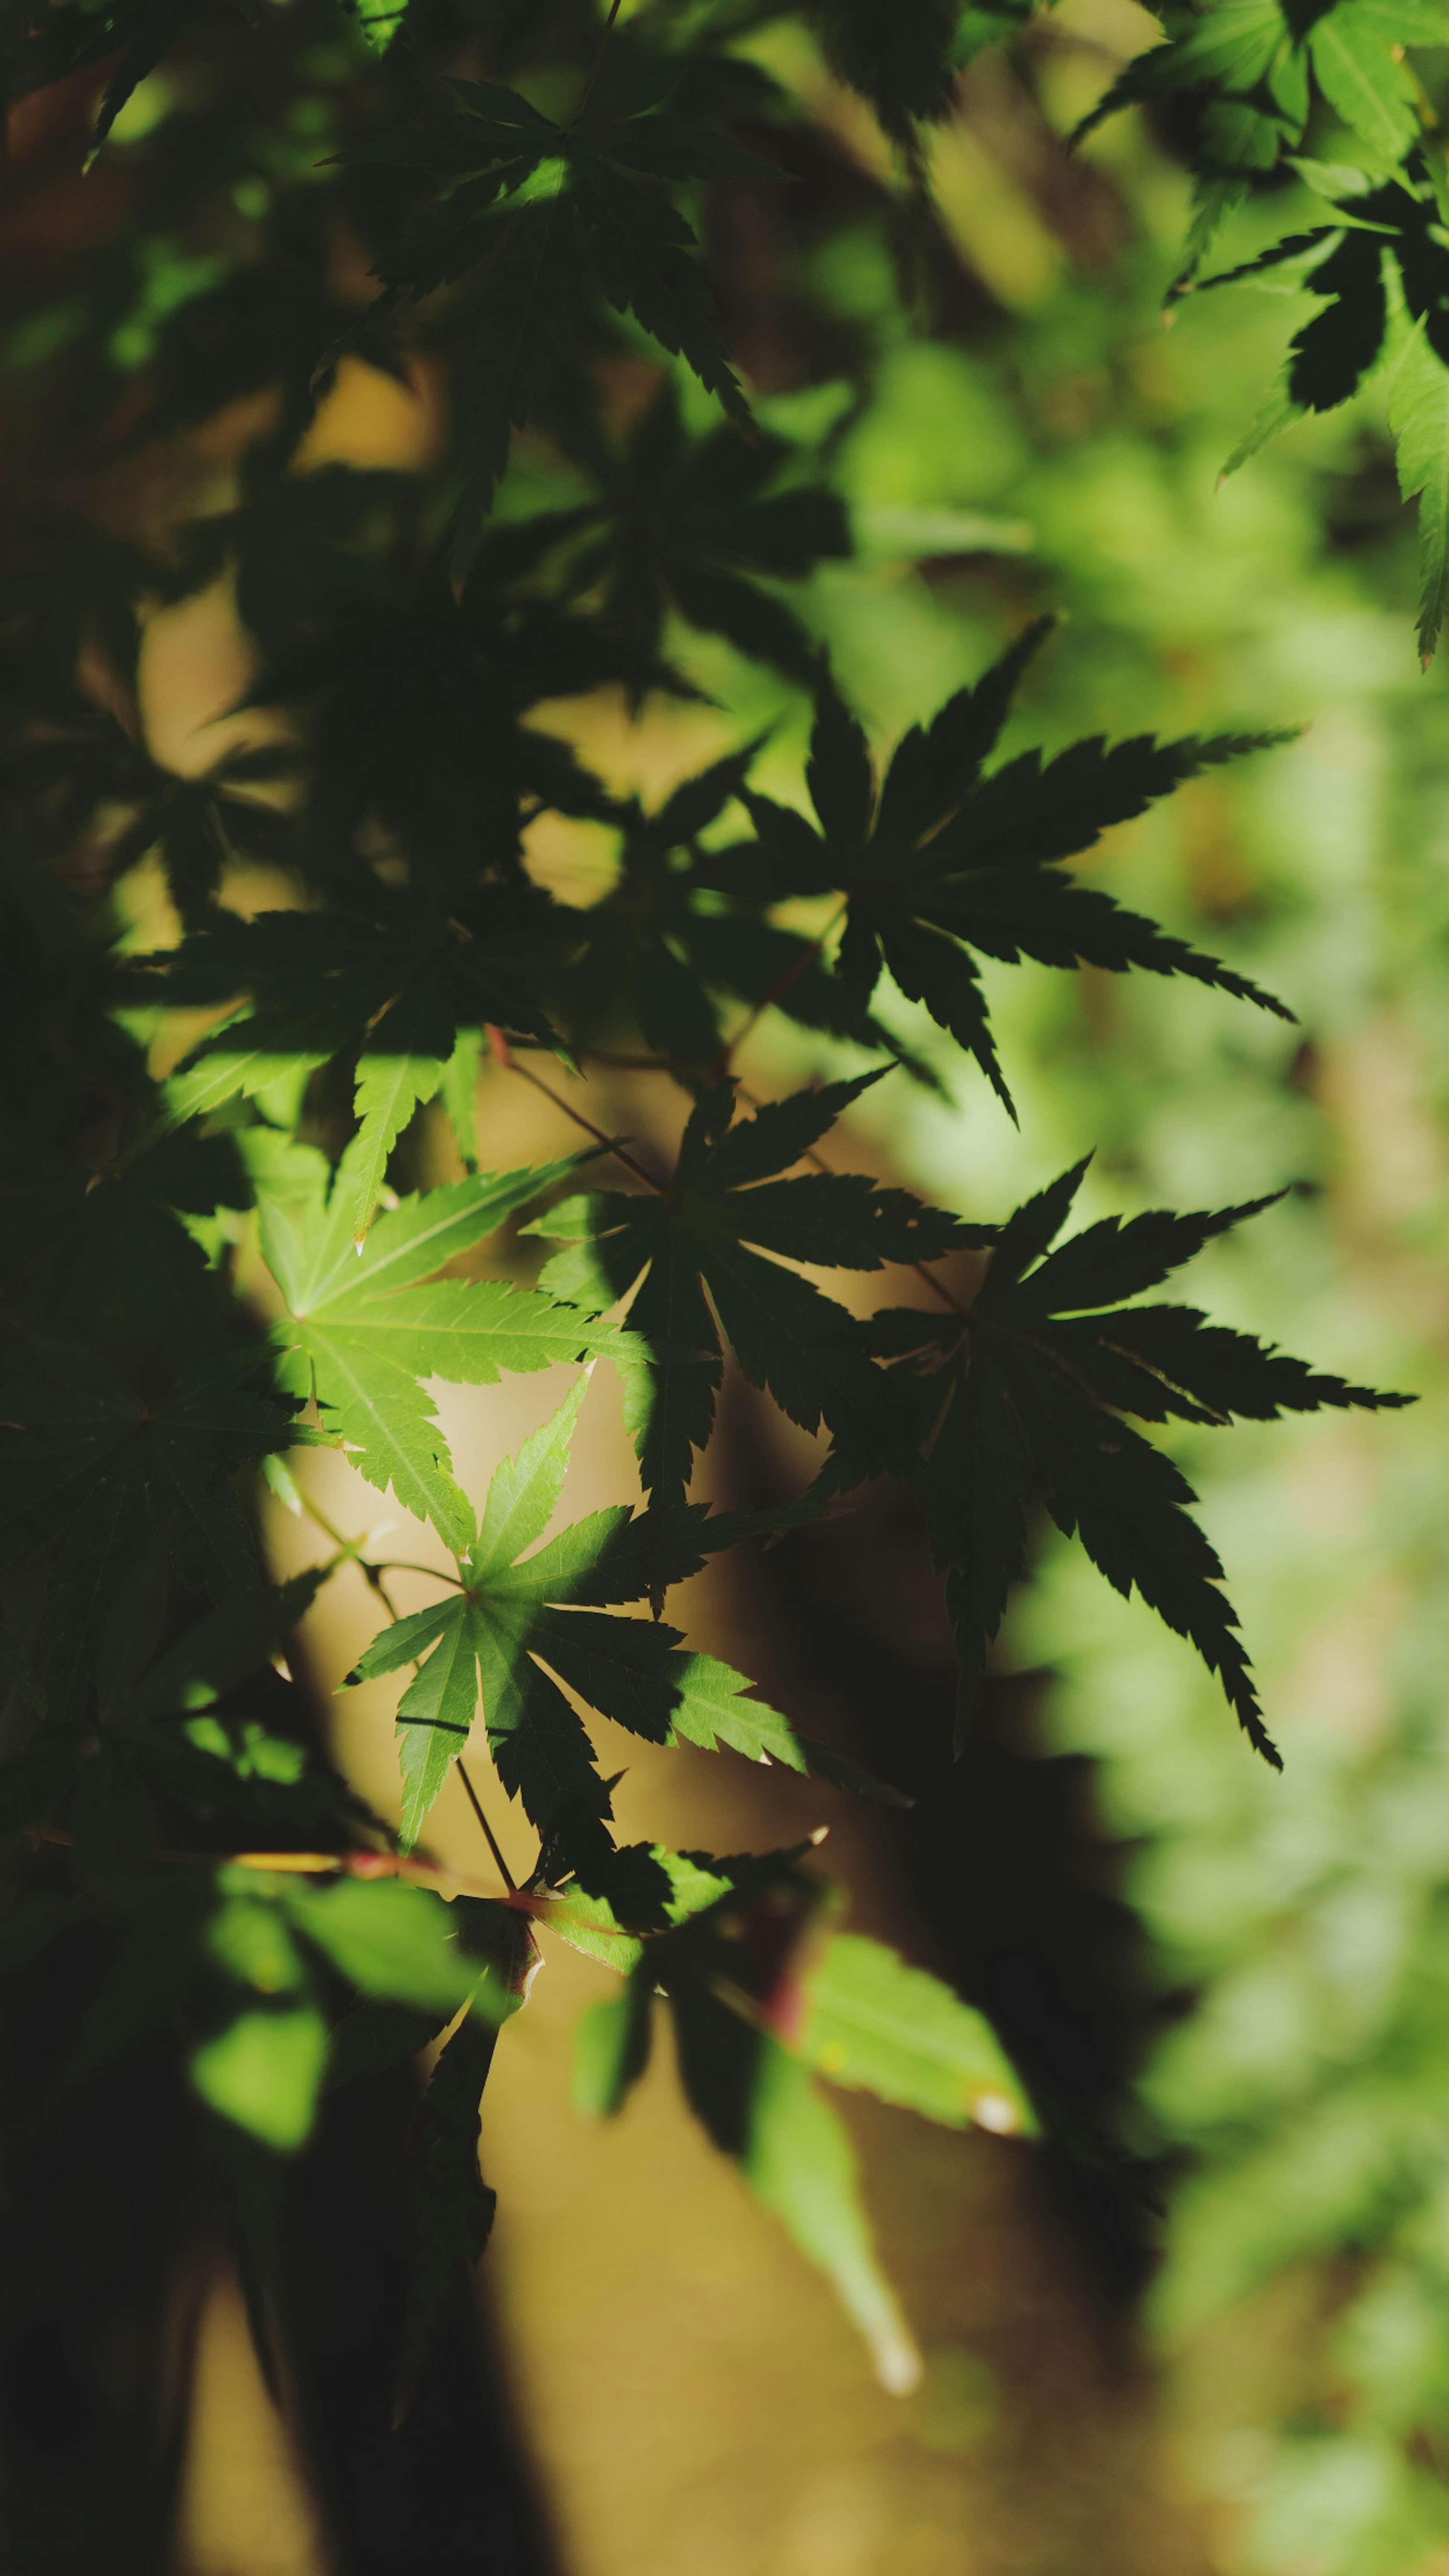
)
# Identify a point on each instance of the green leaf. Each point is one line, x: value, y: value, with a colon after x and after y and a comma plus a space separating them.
x: 265, y: 2072
x: 545, y: 219
x: 691, y: 1883
x: 589, y: 1925
x: 250, y: 1940
x: 716, y: 1706
x: 364, y: 1336
x: 435, y: 1716
x: 870, y: 2021
x: 1028, y: 1393
x: 1277, y: 412
x: 307, y: 1239
x: 611, y: 2049
x: 695, y: 1247
x: 1419, y: 419
x: 760, y: 2107
x: 799, y: 2162
x: 396, y: 1942
x: 1391, y: 233
x: 526, y: 1489
x: 378, y: 26
x: 243, y: 1064
x: 1235, y: 48
x: 390, y: 1087
x: 949, y: 865
x: 478, y: 1642
x: 460, y: 1093
x: 387, y: 1424
x: 346, y: 983
x: 726, y: 1958
x: 1352, y: 48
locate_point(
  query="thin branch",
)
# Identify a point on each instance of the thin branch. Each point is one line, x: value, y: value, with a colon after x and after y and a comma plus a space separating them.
x: 503, y: 1055
x: 349, y: 1551
x: 405, y: 1565
x: 488, y: 1834
x: 314, y: 1512
x: 613, y: 1057
x: 371, y: 1864
x: 597, y: 65
x: 782, y: 983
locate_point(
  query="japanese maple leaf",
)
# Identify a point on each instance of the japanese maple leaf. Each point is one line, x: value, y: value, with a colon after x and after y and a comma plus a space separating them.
x: 704, y: 1246
x: 518, y: 1624
x: 940, y: 864
x: 1028, y: 1391
x: 362, y: 1334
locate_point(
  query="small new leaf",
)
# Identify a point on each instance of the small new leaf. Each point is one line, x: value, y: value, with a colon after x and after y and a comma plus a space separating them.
x: 520, y: 1624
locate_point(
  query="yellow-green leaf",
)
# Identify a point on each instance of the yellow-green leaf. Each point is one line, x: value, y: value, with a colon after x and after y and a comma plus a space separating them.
x: 264, y: 2073
x: 874, y: 2023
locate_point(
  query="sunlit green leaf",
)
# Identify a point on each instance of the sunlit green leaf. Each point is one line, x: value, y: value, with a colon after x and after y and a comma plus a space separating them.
x: 871, y: 2021
x: 265, y: 2072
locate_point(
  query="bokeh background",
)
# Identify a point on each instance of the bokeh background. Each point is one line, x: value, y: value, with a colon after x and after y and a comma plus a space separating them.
x: 1206, y: 2328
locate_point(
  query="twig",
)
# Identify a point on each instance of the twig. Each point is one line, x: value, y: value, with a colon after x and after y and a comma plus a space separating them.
x: 782, y: 983
x: 349, y: 1552
x: 610, y: 1056
x: 488, y: 1834
x: 503, y: 1055
x: 597, y: 65
x: 405, y: 1565
x: 315, y: 1513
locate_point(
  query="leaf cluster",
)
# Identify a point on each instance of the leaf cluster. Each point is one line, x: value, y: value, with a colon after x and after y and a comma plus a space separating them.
x: 1259, y: 75
x: 540, y: 221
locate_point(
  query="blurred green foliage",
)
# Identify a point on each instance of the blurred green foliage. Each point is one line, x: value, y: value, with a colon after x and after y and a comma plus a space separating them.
x: 1308, y: 1915
x: 1072, y: 455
